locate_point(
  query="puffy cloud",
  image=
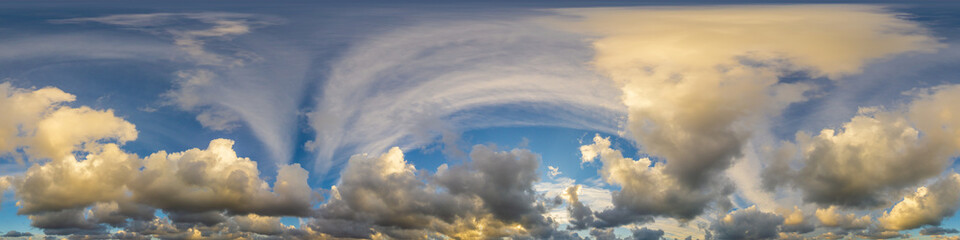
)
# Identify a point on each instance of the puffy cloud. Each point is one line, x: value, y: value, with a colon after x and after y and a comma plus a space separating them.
x: 23, y: 109
x: 646, y: 190
x: 647, y: 234
x: 603, y: 234
x: 935, y: 230
x: 259, y: 224
x: 833, y: 217
x: 877, y: 153
x: 65, y: 194
x: 36, y: 122
x: 928, y: 206
x: 696, y: 79
x: 794, y: 221
x: 69, y: 183
x: 581, y: 217
x: 491, y: 196
x: 215, y: 179
x: 749, y: 223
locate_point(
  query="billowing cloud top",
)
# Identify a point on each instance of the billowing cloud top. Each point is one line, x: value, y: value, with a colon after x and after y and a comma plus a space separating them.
x: 696, y: 122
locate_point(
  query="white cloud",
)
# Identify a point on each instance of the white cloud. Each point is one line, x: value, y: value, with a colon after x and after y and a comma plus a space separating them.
x: 410, y: 85
x: 258, y: 82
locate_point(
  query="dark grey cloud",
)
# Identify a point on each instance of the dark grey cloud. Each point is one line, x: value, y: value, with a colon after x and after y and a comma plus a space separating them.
x: 581, y: 217
x: 17, y: 234
x: 937, y: 230
x: 646, y: 190
x: 385, y: 194
x: 647, y: 234
x: 748, y: 223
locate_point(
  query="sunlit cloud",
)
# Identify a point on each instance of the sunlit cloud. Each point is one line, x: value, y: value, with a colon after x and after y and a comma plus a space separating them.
x: 654, y: 122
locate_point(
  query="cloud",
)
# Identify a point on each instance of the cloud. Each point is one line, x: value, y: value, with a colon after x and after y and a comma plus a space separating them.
x: 13, y: 234
x: 490, y: 196
x: 876, y: 154
x: 928, y: 206
x: 935, y: 230
x: 216, y: 179
x: 748, y: 223
x: 603, y: 234
x: 36, y: 122
x: 432, y: 79
x: 695, y: 79
x: 645, y: 190
x: 647, y: 234
x: 81, y: 180
x: 221, y: 72
x: 833, y: 217
x: 581, y: 217
x: 881, y: 234
x: 794, y: 221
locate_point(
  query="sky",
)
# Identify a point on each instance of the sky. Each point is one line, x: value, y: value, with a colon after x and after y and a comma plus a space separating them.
x: 479, y: 120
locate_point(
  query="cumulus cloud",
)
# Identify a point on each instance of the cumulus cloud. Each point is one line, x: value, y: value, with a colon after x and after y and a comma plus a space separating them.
x: 36, y: 122
x: 795, y: 221
x: 216, y: 179
x: 749, y: 223
x: 927, y: 206
x: 693, y: 91
x: 833, y: 217
x: 646, y: 191
x: 867, y: 161
x: 81, y: 180
x: 491, y: 196
x: 581, y: 217
x: 647, y: 234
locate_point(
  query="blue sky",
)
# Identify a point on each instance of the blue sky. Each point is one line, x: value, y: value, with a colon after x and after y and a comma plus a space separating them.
x: 673, y: 120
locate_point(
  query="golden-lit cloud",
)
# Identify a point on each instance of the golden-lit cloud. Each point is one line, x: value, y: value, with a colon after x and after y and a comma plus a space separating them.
x: 81, y: 180
x: 646, y: 191
x: 927, y: 206
x: 695, y: 88
x: 696, y: 79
